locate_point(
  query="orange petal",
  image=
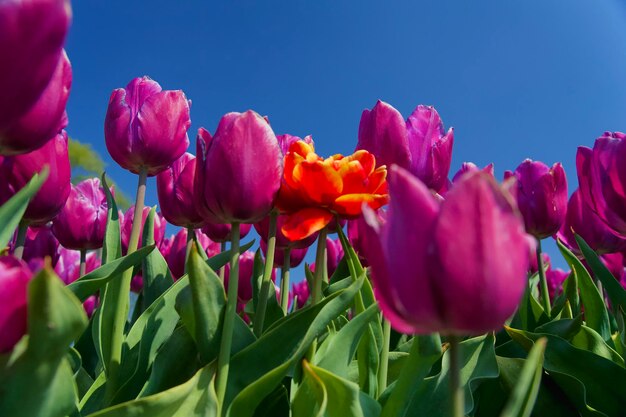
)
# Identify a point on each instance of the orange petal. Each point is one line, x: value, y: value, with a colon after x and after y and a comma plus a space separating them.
x: 319, y: 181
x: 350, y: 205
x: 301, y: 148
x: 353, y: 176
x: 305, y: 222
x: 377, y: 181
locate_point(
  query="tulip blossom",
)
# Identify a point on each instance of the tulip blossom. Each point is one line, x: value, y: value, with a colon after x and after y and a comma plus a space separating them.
x: 296, y: 256
x: 420, y: 144
x: 126, y: 224
x: 40, y: 243
x: 16, y: 171
x: 246, y: 269
x: 471, y: 167
x: 282, y: 241
x: 221, y: 232
x: 175, y: 190
x: 32, y: 33
x: 602, y: 179
x: 541, y: 195
x: 238, y: 171
x: 68, y: 267
x: 145, y: 128
x: 177, y: 251
x: 533, y: 266
x: 315, y: 190
x: 334, y: 255
x: 455, y: 267
x: 582, y: 220
x: 555, y: 278
x: 301, y: 291
x: 14, y: 278
x: 44, y: 119
x: 82, y: 222
x: 357, y: 232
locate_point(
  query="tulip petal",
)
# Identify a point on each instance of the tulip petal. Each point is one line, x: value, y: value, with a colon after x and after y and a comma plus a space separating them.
x: 305, y: 222
x: 349, y: 205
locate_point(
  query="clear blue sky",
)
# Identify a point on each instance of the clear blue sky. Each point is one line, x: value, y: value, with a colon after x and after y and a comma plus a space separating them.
x: 516, y: 79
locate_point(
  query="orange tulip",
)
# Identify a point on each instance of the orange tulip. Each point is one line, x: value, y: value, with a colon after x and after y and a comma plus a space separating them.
x: 315, y: 190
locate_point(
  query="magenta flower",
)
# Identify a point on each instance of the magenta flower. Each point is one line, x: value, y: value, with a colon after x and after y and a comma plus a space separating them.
x: 555, y: 279
x: 239, y: 170
x: 221, y: 232
x: 175, y: 190
x: 82, y: 222
x: 285, y: 141
x: 602, y: 179
x: 68, y: 267
x: 246, y: 268
x: 300, y: 290
x: 44, y: 119
x: 32, y: 34
x: 177, y: 251
x: 40, y: 243
x: 14, y: 278
x: 126, y: 224
x: 17, y: 170
x: 533, y: 267
x: 471, y: 167
x: 145, y: 127
x: 420, y: 144
x: 357, y: 232
x: 541, y: 195
x: 296, y: 256
x: 457, y: 266
x: 582, y: 220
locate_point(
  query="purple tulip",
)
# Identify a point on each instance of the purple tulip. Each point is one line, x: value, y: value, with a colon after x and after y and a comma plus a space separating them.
x: 40, y: 243
x: 44, y: 119
x: 533, y: 266
x: 296, y: 256
x: 582, y: 220
x: 175, y: 190
x: 357, y: 232
x: 246, y: 268
x: 285, y: 141
x: 68, y: 267
x: 541, y: 194
x: 383, y: 132
x: 555, y: 279
x: 602, y: 179
x: 239, y: 170
x: 17, y: 170
x: 300, y: 290
x: 14, y: 278
x: 221, y: 232
x: 457, y: 266
x: 471, y: 167
x: 334, y: 254
x: 82, y: 222
x: 614, y: 262
x: 420, y: 144
x: 126, y: 225
x: 177, y: 251
x: 145, y: 127
x: 32, y: 34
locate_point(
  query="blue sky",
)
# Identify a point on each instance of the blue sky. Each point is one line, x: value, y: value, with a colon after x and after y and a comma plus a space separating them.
x: 525, y: 79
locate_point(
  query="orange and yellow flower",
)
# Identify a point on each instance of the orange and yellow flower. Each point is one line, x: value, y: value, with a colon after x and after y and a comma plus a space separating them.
x: 315, y: 189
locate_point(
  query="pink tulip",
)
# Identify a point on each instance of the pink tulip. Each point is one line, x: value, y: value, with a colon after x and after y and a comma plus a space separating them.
x: 14, y: 278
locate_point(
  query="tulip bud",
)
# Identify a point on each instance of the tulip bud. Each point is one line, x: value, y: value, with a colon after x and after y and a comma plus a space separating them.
x: 32, y: 34
x: 221, y: 232
x: 14, y: 278
x: 239, y: 170
x: 82, y: 222
x: 555, y: 279
x: 44, y: 119
x: 145, y: 127
x: 471, y: 167
x: 175, y: 191
x: 602, y: 179
x: 541, y: 194
x: 126, y: 225
x: 455, y: 267
x: 16, y: 171
x: 300, y: 290
x: 582, y: 220
x: 177, y: 251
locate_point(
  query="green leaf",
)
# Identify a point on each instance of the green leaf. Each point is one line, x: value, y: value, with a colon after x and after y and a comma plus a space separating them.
x: 323, y: 393
x: 155, y: 272
x: 587, y: 379
x: 615, y: 291
x: 425, y: 351
x: 39, y: 380
x: 596, y: 314
x: 478, y: 363
x: 194, y: 398
x: 12, y: 211
x: 338, y: 349
x: 281, y: 347
x: 89, y: 284
x: 522, y: 399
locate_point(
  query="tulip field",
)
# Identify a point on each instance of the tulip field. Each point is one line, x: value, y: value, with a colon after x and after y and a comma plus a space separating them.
x: 429, y: 294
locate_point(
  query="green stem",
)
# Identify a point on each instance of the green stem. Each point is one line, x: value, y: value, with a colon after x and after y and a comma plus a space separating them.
x: 190, y: 235
x: 223, y: 268
x: 223, y: 360
x: 83, y: 262
x: 384, y: 358
x: 18, y: 252
x: 545, y: 294
x: 121, y: 297
x: 284, y: 280
x: 320, y: 267
x: 457, y: 394
x: 259, y: 316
